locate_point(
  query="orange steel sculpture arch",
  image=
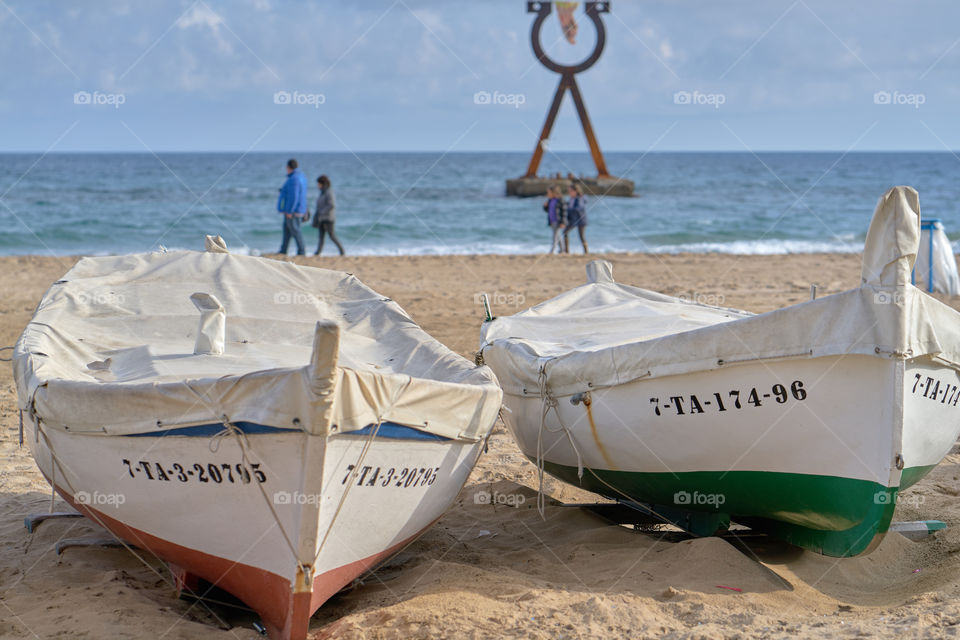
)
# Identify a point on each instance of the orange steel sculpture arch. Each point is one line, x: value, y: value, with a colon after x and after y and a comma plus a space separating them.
x: 568, y: 81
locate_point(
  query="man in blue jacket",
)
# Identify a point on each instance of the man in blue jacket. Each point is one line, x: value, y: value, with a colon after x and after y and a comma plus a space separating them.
x: 292, y: 204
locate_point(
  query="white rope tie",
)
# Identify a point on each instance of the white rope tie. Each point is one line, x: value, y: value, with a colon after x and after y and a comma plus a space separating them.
x: 359, y: 464
x: 231, y: 429
x: 343, y: 496
x: 549, y: 402
x: 92, y: 514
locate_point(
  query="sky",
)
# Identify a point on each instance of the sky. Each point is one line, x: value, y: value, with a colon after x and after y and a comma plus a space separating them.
x: 383, y: 75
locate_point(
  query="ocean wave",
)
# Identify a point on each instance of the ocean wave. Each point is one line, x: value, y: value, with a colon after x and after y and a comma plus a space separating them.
x: 740, y: 247
x: 763, y: 247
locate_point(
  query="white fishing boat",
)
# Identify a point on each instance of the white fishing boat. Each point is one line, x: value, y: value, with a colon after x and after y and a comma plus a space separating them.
x: 804, y: 422
x: 272, y: 429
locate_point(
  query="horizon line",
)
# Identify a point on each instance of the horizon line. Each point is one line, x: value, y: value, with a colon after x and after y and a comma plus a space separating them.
x: 462, y: 151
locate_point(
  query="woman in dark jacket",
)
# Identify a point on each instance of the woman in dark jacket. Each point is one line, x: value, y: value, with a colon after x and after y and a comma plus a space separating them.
x: 556, y: 216
x: 576, y: 217
x: 326, y: 216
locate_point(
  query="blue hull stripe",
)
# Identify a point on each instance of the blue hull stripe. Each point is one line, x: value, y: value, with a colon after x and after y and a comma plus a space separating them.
x: 387, y: 430
x: 207, y: 430
x: 396, y: 431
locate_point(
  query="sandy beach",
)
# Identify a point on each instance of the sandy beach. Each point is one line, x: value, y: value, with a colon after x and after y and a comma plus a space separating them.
x: 500, y: 570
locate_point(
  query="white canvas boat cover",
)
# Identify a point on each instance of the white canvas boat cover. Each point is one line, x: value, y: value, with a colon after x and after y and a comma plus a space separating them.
x: 936, y: 267
x: 603, y: 334
x: 111, y: 346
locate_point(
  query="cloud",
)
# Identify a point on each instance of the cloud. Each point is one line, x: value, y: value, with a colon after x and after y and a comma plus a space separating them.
x: 381, y: 62
x: 200, y: 15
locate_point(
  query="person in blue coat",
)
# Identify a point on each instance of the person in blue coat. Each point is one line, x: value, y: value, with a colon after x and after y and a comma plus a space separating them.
x: 292, y: 205
x: 576, y: 217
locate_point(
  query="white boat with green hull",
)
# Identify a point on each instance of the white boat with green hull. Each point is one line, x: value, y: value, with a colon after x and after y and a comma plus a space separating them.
x: 804, y: 422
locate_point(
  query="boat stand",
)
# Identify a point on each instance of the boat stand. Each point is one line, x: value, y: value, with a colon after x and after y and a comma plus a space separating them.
x: 96, y: 541
x: 641, y: 515
x: 704, y: 524
x: 33, y: 520
x: 918, y: 529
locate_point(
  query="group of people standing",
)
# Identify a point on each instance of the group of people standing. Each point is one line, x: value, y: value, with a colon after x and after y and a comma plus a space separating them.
x: 565, y: 215
x: 292, y: 204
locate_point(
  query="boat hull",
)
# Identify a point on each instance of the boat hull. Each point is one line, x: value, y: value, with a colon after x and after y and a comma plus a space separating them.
x: 807, y: 449
x: 249, y: 526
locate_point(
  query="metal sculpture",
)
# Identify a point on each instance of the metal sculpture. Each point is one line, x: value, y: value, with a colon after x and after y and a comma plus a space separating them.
x: 568, y: 82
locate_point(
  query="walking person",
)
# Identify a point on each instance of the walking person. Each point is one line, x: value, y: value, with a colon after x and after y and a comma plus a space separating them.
x: 326, y: 216
x: 556, y: 216
x: 576, y: 217
x: 292, y: 205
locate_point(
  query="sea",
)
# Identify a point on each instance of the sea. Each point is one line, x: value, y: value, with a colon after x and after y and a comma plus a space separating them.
x: 428, y: 203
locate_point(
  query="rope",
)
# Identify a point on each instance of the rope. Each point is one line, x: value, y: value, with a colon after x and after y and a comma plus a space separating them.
x: 96, y: 518
x: 10, y: 359
x: 359, y: 464
x: 343, y: 497
x: 549, y: 402
x: 231, y: 429
x: 629, y: 498
x: 93, y: 516
x: 214, y: 445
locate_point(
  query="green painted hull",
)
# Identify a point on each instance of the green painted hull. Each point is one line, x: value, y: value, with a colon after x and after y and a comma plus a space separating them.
x: 834, y: 516
x: 912, y: 475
